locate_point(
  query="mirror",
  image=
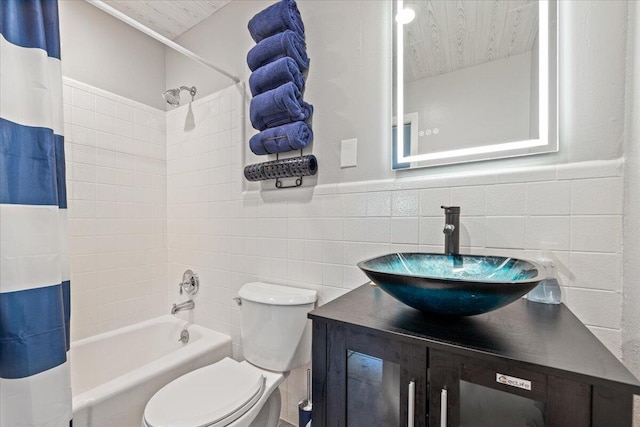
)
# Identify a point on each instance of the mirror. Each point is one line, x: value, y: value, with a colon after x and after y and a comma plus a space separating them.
x: 473, y: 80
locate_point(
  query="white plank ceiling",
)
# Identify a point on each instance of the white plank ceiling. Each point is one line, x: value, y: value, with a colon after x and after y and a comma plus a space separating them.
x: 169, y: 18
x: 448, y: 35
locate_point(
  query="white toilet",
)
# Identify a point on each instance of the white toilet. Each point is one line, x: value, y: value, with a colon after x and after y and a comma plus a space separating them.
x: 276, y: 337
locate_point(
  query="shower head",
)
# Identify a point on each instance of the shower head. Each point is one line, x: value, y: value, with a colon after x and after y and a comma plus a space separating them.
x: 172, y: 96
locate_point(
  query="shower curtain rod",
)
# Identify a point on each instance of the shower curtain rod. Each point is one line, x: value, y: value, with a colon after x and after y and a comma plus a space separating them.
x: 162, y: 39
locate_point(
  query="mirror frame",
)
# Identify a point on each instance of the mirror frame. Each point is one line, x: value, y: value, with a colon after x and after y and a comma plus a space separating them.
x: 547, y: 101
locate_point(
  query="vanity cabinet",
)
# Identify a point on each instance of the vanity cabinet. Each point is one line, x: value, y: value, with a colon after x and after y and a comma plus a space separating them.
x: 372, y: 380
x: 379, y: 363
x: 468, y: 392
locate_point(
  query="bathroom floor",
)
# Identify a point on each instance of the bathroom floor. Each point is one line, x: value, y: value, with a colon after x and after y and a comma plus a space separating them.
x: 283, y: 423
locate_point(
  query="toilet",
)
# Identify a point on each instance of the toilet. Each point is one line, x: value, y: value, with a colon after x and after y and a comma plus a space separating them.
x: 276, y: 337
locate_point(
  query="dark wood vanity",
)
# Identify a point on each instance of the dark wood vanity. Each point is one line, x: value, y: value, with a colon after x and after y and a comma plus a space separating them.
x: 377, y: 362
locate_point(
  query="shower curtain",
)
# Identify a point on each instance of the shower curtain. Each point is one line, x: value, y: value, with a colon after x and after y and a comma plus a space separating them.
x: 34, y: 276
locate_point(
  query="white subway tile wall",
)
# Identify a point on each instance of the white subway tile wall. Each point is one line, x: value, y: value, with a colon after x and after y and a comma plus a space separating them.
x: 232, y: 232
x: 116, y: 182
x: 153, y: 193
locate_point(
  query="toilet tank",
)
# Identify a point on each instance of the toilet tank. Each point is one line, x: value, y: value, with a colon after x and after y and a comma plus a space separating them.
x: 276, y: 334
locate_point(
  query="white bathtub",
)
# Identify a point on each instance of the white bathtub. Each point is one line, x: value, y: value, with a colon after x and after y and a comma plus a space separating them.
x: 114, y: 374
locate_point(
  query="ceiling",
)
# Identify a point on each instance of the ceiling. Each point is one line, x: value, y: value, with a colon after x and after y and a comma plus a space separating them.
x: 450, y: 35
x: 445, y: 35
x: 168, y: 17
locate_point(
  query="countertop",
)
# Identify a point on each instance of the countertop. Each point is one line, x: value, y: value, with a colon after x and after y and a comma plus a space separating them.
x: 550, y: 337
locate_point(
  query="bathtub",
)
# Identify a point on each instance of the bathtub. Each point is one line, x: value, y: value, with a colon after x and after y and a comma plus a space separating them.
x: 114, y: 374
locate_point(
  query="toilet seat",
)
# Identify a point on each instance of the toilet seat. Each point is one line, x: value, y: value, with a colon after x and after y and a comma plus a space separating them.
x: 213, y: 396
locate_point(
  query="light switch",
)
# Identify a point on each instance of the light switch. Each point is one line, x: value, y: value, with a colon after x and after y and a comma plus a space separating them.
x: 349, y: 153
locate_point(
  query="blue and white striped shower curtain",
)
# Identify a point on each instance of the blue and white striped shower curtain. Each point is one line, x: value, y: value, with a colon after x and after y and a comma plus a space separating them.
x: 34, y: 275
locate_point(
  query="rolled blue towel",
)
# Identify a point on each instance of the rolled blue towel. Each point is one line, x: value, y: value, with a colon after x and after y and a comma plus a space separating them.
x: 292, y: 136
x: 279, y: 106
x: 278, y: 46
x: 275, y: 74
x: 281, y: 16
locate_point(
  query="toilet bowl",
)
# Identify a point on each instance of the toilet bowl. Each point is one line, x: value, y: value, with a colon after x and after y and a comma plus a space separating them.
x: 276, y: 338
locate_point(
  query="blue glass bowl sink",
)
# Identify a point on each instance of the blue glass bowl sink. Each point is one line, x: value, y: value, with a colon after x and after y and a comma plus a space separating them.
x: 460, y: 285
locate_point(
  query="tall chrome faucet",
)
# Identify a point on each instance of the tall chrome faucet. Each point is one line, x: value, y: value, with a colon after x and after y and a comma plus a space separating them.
x: 451, y: 230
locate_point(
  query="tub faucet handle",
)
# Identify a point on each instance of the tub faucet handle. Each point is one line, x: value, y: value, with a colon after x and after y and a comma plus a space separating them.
x: 190, y: 283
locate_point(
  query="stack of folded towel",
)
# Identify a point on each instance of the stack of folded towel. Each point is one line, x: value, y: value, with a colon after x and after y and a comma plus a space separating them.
x: 277, y: 62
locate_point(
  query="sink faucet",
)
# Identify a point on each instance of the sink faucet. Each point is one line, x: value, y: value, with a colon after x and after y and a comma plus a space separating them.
x: 187, y: 305
x: 451, y: 230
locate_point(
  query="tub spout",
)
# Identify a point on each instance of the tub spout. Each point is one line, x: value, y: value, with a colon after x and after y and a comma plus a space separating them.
x: 187, y: 305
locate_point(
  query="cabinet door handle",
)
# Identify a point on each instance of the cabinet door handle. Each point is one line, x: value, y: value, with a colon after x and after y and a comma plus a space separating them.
x: 412, y: 403
x: 443, y: 407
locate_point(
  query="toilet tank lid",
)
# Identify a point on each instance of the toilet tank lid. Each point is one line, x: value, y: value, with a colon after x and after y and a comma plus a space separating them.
x: 267, y: 293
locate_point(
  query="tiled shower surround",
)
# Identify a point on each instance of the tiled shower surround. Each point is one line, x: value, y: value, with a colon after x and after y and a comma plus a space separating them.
x: 231, y: 232
x: 116, y: 184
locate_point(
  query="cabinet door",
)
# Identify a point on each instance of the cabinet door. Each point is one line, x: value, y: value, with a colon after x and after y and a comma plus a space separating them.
x: 468, y: 392
x: 372, y: 380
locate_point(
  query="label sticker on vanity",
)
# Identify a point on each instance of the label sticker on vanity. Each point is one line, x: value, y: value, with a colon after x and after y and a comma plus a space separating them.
x: 513, y: 381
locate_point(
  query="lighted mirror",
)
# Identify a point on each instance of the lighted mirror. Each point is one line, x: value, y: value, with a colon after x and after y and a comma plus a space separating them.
x: 474, y: 80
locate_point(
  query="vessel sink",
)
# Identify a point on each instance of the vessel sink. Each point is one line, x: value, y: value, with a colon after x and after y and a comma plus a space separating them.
x: 457, y: 285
